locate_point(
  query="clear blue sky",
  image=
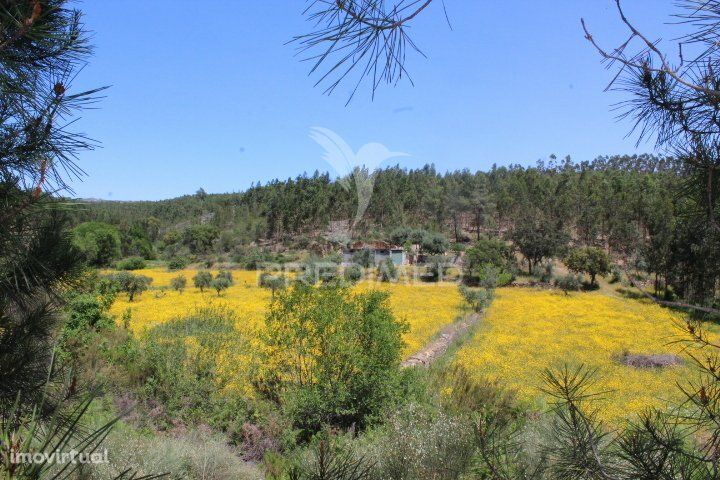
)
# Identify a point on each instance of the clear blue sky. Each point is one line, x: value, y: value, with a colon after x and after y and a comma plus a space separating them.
x: 207, y: 94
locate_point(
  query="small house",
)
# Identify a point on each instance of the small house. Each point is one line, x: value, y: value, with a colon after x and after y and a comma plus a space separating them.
x: 380, y: 250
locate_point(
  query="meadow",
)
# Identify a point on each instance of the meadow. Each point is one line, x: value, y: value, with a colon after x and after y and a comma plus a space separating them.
x: 528, y: 330
x: 425, y: 307
x: 523, y: 332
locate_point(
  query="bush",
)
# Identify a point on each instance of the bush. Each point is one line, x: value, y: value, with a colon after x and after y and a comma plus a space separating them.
x: 569, y: 283
x: 202, y: 280
x: 544, y: 273
x: 364, y: 258
x: 227, y: 275
x: 131, y: 263
x: 330, y: 457
x: 387, y: 272
x: 423, y: 444
x: 177, y: 365
x: 178, y: 283
x: 176, y: 263
x: 220, y: 283
x: 197, y: 454
x: 436, y: 268
x: 353, y: 273
x: 330, y: 357
x: 87, y: 315
x: 273, y: 282
x: 477, y: 298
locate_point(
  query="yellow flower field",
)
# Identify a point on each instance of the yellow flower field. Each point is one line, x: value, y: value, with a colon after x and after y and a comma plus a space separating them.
x: 426, y: 307
x: 527, y: 330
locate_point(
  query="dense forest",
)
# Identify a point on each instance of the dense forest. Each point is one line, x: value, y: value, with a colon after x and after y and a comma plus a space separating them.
x: 632, y: 206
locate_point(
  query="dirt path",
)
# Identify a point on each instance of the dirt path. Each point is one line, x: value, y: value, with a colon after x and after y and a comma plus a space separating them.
x: 439, y: 346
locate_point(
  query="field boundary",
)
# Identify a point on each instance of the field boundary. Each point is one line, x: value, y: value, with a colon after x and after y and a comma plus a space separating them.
x: 437, y: 347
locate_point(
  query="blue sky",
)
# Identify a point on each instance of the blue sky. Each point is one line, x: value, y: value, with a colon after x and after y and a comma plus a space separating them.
x: 207, y: 94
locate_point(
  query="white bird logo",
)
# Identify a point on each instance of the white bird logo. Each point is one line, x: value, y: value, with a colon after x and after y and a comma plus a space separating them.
x: 361, y: 166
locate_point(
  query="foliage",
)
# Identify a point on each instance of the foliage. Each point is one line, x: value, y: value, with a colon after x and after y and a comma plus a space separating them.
x: 477, y: 298
x: 130, y: 283
x: 329, y: 459
x: 421, y: 443
x: 176, y: 263
x: 544, y: 272
x: 200, y: 238
x: 331, y: 357
x: 178, y: 283
x: 430, y: 242
x: 87, y: 316
x: 227, y: 276
x: 202, y: 280
x: 98, y: 242
x: 273, y: 282
x: 220, y: 283
x: 591, y: 260
x: 569, y: 282
x: 364, y: 258
x: 131, y: 263
x: 182, y: 365
x: 436, y: 268
x: 387, y: 272
x: 538, y: 239
x: 487, y: 252
x: 353, y: 273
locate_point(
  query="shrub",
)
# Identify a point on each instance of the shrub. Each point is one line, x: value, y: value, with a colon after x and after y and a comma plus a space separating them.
x: 176, y: 263
x: 178, y: 283
x: 421, y: 443
x: 544, y: 273
x: 364, y: 258
x: 616, y: 274
x: 220, y: 283
x: 353, y: 273
x: 227, y: 275
x: 330, y: 457
x: 569, y: 283
x: 202, y: 280
x: 87, y: 315
x: 330, y: 357
x: 196, y: 454
x: 273, y: 282
x: 477, y: 298
x: 177, y: 366
x: 436, y: 268
x: 387, y: 272
x: 131, y: 263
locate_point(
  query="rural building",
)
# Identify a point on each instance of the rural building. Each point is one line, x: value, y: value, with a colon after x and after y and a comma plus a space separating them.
x: 381, y: 251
